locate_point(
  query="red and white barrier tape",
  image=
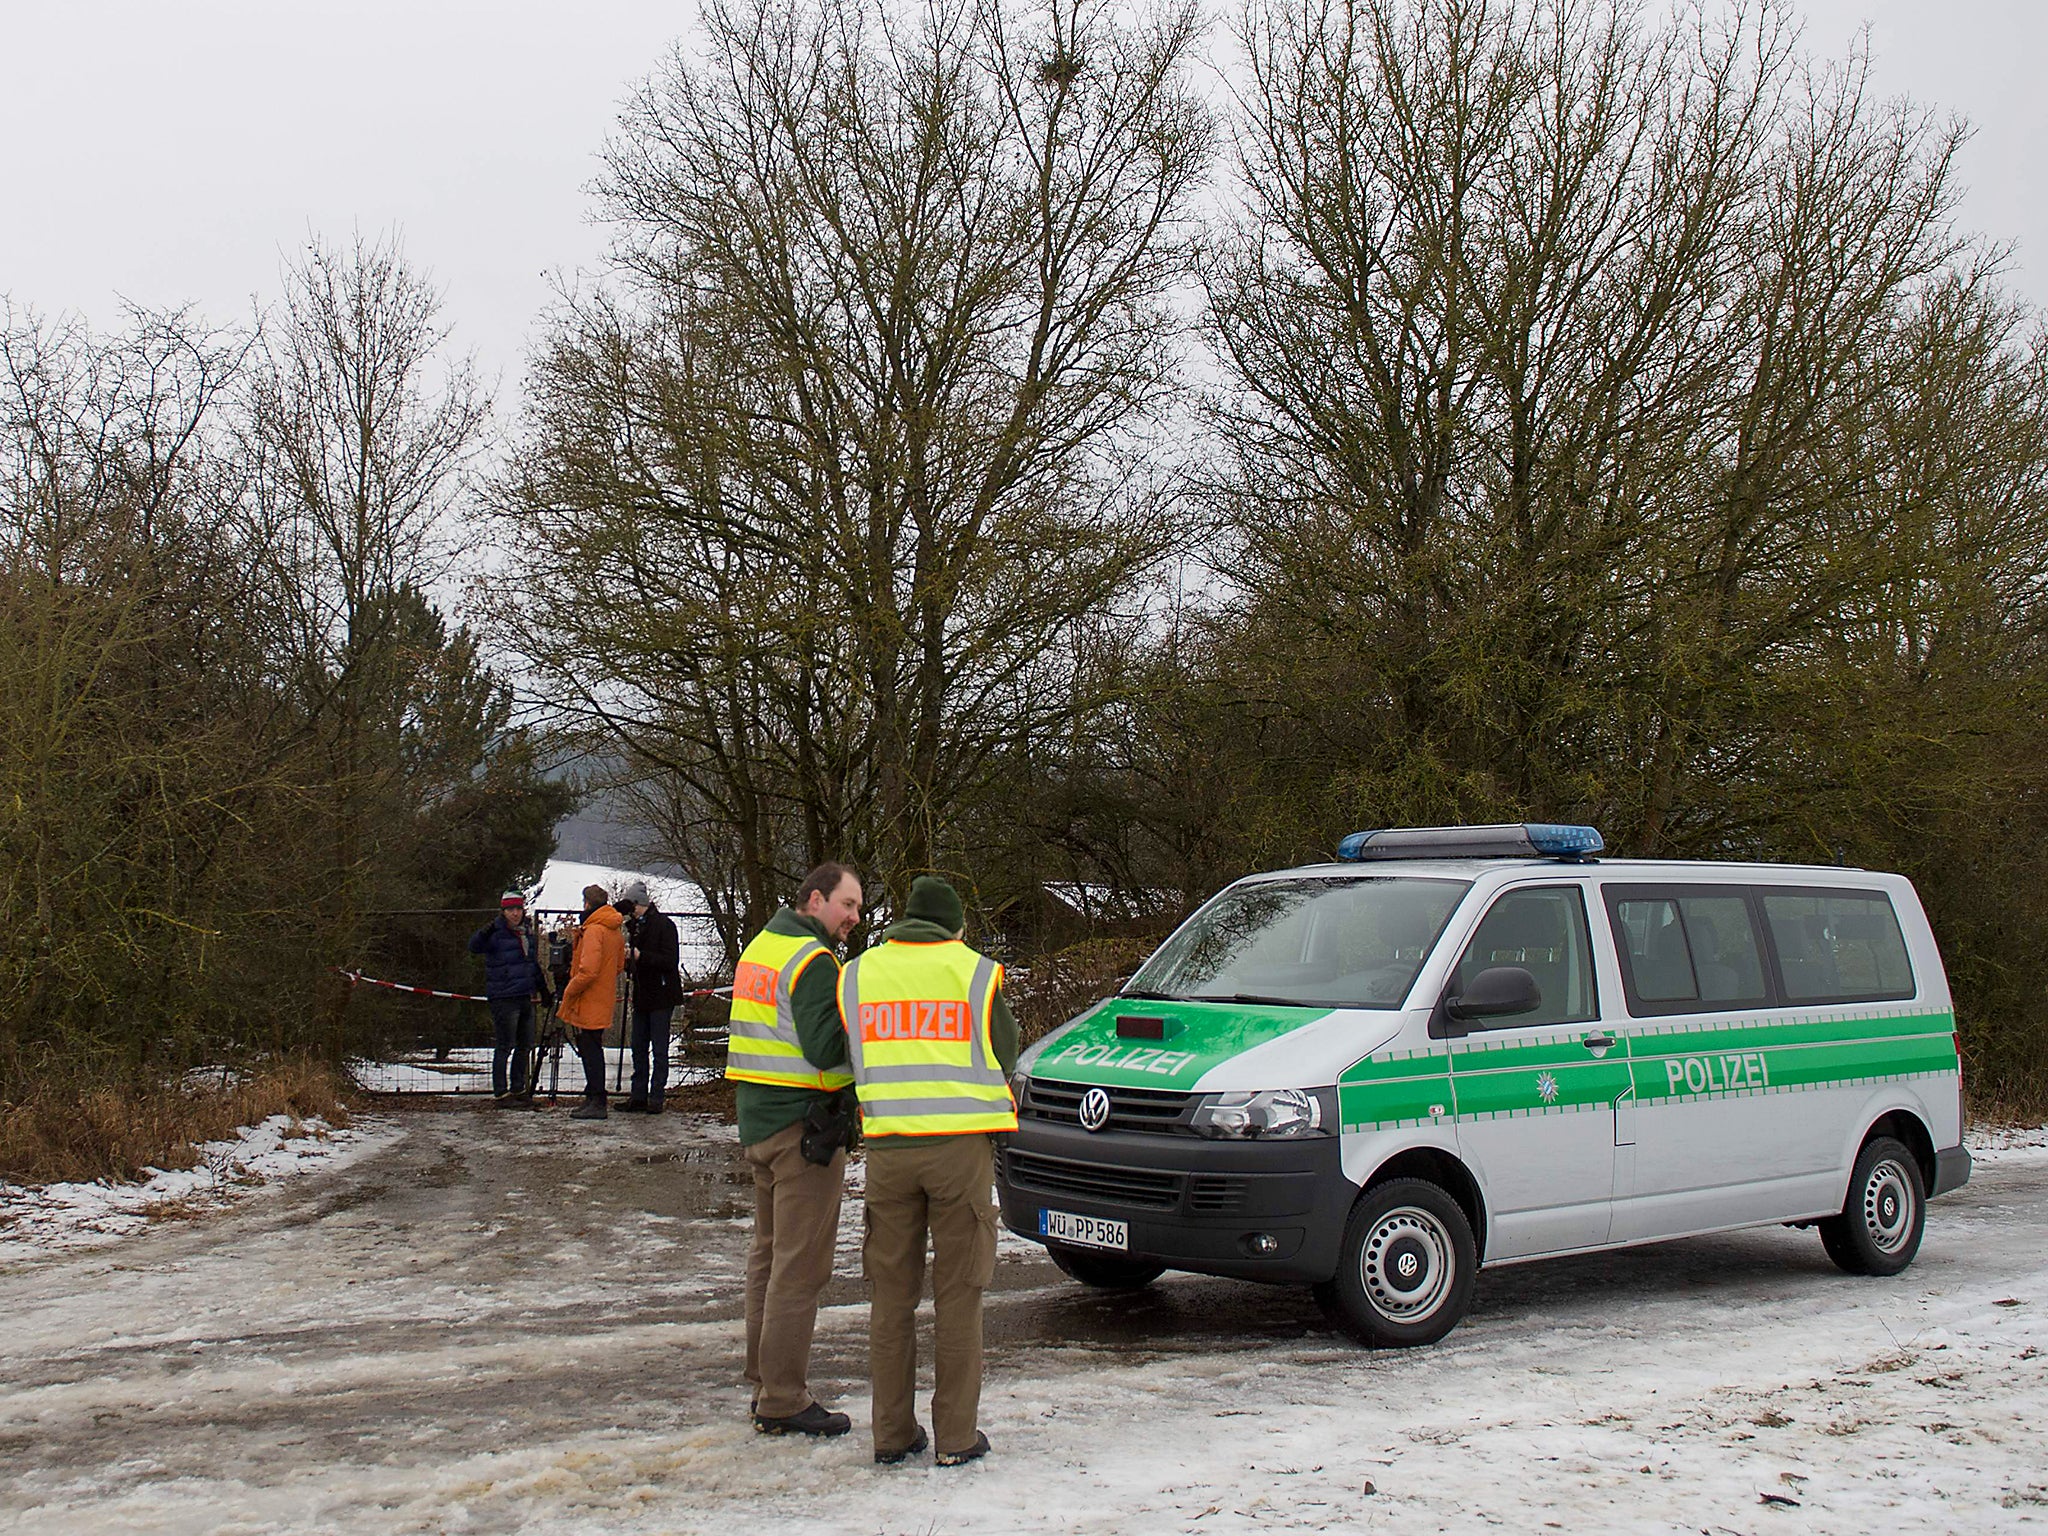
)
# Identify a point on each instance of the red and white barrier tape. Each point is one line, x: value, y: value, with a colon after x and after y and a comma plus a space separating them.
x: 473, y: 997
x: 399, y: 986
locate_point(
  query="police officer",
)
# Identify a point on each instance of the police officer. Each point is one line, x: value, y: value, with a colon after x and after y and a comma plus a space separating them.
x: 932, y: 1043
x: 786, y: 1057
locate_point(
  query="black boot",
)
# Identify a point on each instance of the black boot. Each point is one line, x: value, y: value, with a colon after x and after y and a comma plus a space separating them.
x: 973, y: 1453
x: 896, y: 1458
x: 816, y: 1419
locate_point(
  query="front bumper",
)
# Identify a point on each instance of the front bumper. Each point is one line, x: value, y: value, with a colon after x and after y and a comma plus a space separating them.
x: 1951, y: 1169
x: 1190, y: 1202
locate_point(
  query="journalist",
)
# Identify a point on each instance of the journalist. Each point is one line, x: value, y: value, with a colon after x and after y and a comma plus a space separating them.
x: 657, y: 989
x: 513, y: 984
x: 592, y: 994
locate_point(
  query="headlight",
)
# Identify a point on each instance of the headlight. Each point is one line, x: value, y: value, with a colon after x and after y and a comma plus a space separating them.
x: 1269, y: 1112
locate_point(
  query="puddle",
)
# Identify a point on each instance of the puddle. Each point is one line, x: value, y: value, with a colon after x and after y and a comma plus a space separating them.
x: 719, y: 1155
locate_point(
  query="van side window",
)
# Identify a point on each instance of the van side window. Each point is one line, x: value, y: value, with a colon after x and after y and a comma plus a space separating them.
x: 1543, y: 930
x: 1838, y: 946
x: 1687, y: 950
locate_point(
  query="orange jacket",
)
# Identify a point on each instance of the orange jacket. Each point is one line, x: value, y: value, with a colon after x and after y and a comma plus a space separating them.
x: 593, y: 990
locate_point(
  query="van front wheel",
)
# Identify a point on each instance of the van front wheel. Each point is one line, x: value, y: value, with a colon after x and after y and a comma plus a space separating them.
x: 1879, y: 1229
x: 1405, y: 1274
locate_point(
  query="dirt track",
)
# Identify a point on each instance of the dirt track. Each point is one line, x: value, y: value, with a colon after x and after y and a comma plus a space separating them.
x: 501, y: 1321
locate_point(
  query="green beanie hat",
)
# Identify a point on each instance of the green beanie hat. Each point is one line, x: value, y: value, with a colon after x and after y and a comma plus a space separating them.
x: 934, y: 901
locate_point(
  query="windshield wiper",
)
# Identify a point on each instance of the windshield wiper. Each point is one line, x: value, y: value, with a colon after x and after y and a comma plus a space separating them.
x: 1154, y: 997
x: 1250, y: 997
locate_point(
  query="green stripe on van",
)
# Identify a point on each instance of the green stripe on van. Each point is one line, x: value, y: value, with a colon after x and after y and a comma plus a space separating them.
x: 1650, y: 1036
x: 1369, y: 1106
x: 1393, y: 1088
x: 1760, y: 1058
x: 1671, y: 1060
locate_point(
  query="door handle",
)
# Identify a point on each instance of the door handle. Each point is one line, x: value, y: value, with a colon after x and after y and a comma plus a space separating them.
x: 1599, y: 1045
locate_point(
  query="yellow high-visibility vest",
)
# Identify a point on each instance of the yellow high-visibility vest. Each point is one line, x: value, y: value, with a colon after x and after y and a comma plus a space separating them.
x: 762, y: 1044
x: 917, y: 1020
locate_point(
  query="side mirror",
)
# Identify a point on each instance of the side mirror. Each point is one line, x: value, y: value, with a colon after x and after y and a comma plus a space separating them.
x: 1497, y: 992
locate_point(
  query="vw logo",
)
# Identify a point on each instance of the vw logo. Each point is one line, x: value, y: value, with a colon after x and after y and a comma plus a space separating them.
x: 1406, y: 1266
x: 1094, y: 1110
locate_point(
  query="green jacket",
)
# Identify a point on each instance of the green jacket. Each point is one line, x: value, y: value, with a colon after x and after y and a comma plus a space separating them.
x: 765, y: 1108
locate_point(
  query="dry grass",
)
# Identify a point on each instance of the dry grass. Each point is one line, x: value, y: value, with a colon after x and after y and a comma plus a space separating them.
x: 712, y: 1098
x: 117, y: 1132
x: 2026, y: 1106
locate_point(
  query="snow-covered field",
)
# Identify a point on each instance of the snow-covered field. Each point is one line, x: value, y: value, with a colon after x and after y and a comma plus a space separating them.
x: 561, y: 890
x: 491, y: 1322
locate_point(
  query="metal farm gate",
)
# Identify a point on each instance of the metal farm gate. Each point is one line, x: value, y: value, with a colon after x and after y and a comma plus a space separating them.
x: 430, y: 1034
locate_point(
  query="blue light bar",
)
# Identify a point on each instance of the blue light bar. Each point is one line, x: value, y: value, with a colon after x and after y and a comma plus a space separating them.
x: 1353, y: 847
x: 1502, y: 840
x: 1560, y: 840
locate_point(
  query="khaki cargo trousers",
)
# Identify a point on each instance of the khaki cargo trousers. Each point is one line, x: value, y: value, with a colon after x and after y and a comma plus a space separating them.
x: 937, y: 1185
x: 796, y: 1222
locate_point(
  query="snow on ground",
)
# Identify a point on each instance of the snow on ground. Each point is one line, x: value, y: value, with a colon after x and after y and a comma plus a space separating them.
x: 2005, y: 1138
x: 36, y: 1219
x: 507, y: 1322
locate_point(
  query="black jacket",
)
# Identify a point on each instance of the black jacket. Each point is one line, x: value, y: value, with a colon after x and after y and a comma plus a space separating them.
x: 657, y: 970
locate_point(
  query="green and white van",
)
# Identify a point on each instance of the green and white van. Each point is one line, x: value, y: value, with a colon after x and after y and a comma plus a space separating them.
x: 1460, y: 1046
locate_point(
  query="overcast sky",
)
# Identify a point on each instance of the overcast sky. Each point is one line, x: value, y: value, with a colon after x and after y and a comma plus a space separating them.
x: 175, y: 150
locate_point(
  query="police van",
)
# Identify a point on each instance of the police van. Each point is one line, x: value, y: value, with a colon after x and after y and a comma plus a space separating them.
x: 1466, y: 1046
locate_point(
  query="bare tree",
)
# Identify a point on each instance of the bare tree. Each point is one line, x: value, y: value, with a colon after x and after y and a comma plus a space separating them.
x: 361, y: 438
x: 851, y: 459
x: 1546, y: 320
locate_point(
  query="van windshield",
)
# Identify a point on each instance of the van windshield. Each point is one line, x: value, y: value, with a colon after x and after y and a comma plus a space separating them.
x: 1342, y: 943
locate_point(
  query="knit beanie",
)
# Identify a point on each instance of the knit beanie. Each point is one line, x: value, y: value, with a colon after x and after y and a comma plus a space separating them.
x: 934, y: 901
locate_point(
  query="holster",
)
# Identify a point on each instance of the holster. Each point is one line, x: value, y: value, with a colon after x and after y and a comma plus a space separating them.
x: 830, y: 1123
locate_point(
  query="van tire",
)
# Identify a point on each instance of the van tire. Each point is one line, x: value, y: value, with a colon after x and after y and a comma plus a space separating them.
x: 1396, y: 1225
x: 1879, y: 1229
x: 1105, y: 1271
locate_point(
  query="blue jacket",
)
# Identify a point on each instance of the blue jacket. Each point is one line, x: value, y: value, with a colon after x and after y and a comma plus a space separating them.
x: 510, y: 969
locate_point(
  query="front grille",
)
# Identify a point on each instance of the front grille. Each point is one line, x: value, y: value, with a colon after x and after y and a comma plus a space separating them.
x: 1130, y: 1109
x: 1093, y: 1181
x: 1214, y: 1194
